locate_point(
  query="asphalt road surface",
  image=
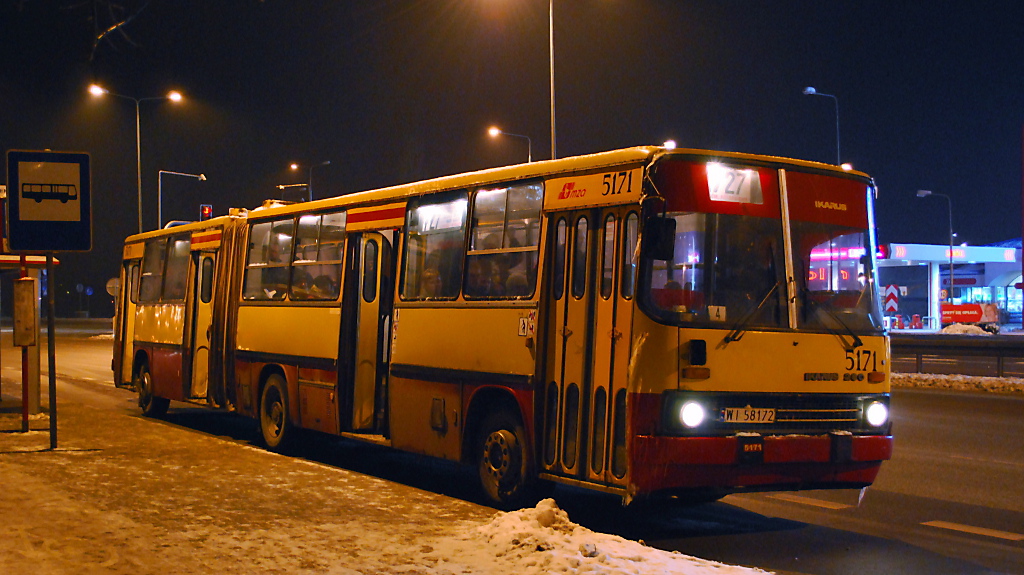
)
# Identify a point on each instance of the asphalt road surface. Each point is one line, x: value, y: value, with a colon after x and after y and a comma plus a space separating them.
x: 950, y: 501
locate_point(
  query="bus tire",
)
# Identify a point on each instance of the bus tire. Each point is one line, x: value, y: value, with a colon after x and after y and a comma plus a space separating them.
x: 151, y: 405
x: 275, y: 429
x: 503, y: 463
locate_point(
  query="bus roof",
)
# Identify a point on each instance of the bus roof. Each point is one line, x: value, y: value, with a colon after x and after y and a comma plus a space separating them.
x: 588, y: 162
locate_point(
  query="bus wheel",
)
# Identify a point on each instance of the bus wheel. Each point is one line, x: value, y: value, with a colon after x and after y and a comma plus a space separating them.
x: 502, y: 461
x: 151, y: 406
x: 275, y: 428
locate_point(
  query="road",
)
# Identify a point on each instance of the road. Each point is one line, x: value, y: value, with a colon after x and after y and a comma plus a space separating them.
x: 950, y: 501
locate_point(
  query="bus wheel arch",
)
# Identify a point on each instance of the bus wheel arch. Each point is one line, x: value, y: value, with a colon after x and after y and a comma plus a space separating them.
x: 276, y: 429
x: 142, y: 380
x: 495, y: 442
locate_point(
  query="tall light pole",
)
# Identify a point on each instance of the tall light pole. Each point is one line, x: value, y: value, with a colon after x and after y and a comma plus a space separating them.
x: 949, y: 202
x: 174, y: 96
x: 551, y: 69
x: 309, y: 186
x: 810, y: 91
x: 160, y: 192
x: 495, y: 131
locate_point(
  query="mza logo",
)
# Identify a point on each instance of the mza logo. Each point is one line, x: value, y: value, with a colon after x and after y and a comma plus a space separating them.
x: 569, y: 191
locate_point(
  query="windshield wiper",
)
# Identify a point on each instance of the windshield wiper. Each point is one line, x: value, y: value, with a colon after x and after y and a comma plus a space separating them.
x: 740, y: 328
x: 857, y: 342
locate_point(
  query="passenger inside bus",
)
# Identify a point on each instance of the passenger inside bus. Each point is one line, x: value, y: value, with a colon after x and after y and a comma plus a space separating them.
x: 430, y: 283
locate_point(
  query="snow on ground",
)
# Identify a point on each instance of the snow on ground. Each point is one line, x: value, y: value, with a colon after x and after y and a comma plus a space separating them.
x: 959, y: 382
x: 542, y: 540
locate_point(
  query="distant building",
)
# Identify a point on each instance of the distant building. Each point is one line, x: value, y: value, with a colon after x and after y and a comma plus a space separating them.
x: 983, y: 277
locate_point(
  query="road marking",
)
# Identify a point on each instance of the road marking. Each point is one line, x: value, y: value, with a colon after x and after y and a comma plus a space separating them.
x: 980, y: 460
x: 809, y: 501
x: 975, y: 530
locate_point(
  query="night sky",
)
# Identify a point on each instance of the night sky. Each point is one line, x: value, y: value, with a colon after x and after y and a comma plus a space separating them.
x: 930, y: 94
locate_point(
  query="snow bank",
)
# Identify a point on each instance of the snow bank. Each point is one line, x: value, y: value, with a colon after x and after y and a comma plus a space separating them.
x: 542, y: 540
x: 962, y: 329
x: 958, y: 382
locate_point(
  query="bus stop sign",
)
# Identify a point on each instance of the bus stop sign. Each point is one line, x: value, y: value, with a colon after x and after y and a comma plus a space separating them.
x: 49, y: 206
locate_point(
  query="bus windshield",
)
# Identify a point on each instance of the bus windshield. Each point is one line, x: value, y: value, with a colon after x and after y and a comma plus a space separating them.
x: 724, y: 268
x: 729, y: 268
x: 721, y: 261
x: 835, y: 278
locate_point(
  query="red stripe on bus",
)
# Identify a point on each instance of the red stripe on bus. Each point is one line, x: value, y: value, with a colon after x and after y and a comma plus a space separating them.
x: 376, y: 215
x: 208, y: 237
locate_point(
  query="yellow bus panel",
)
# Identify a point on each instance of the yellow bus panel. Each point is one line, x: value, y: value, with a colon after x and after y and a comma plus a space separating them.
x: 603, y: 188
x: 159, y: 323
x: 289, y: 330
x: 473, y: 339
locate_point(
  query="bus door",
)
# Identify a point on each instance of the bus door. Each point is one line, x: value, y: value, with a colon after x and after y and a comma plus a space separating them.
x: 569, y: 303
x: 369, y: 296
x: 590, y: 313
x: 126, y: 319
x: 203, y: 264
x: 614, y: 242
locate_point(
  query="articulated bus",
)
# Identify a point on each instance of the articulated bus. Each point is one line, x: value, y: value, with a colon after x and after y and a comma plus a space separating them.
x: 646, y: 322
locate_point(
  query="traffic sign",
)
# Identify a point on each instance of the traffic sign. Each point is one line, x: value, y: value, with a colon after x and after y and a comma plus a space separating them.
x: 49, y: 207
x: 891, y: 297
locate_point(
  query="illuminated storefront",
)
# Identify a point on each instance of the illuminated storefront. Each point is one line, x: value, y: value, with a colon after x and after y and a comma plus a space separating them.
x: 982, y: 292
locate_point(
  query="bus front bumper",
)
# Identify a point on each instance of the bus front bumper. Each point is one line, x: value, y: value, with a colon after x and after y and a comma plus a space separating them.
x: 754, y: 462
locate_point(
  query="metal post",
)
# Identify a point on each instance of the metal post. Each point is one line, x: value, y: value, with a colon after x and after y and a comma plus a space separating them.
x: 949, y: 202
x: 138, y: 159
x: 51, y: 347
x: 551, y: 69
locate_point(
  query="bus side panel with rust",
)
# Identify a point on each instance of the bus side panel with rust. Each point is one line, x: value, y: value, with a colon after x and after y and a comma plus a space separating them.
x: 158, y: 333
x: 439, y: 356
x: 303, y: 342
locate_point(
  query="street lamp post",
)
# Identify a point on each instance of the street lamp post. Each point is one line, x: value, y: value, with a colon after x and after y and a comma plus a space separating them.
x: 810, y: 91
x: 309, y: 186
x: 495, y: 131
x: 551, y: 69
x: 949, y: 202
x: 160, y: 192
x: 174, y: 96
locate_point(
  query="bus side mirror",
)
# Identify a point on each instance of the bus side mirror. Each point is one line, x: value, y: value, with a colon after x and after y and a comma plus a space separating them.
x: 659, y: 240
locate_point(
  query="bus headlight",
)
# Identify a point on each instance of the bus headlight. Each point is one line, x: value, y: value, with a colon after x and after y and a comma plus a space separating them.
x: 691, y: 414
x: 877, y: 414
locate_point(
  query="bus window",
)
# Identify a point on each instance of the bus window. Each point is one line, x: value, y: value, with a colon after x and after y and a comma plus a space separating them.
x: 579, y: 259
x: 266, y: 272
x: 504, y: 242
x: 176, y: 274
x: 370, y: 271
x: 152, y: 270
x: 723, y: 268
x: 629, y: 256
x: 206, y: 283
x: 316, y: 266
x: 558, y: 276
x: 608, y: 257
x: 133, y: 292
x: 834, y: 271
x: 435, y: 246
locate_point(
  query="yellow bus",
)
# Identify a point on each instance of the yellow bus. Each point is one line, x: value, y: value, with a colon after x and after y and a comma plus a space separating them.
x: 646, y: 322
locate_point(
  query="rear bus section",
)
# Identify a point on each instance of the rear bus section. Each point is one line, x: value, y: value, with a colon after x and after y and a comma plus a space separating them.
x: 759, y: 359
x: 166, y: 336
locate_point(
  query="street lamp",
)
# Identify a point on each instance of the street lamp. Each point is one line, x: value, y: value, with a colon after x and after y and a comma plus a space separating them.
x: 174, y: 96
x: 810, y: 91
x: 160, y: 192
x: 309, y: 186
x: 949, y: 202
x: 495, y: 131
x: 551, y: 69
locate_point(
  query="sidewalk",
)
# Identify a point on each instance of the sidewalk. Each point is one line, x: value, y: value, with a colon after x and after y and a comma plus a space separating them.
x: 122, y: 495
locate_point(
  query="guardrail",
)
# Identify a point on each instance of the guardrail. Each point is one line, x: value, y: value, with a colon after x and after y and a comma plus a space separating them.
x: 995, y: 355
